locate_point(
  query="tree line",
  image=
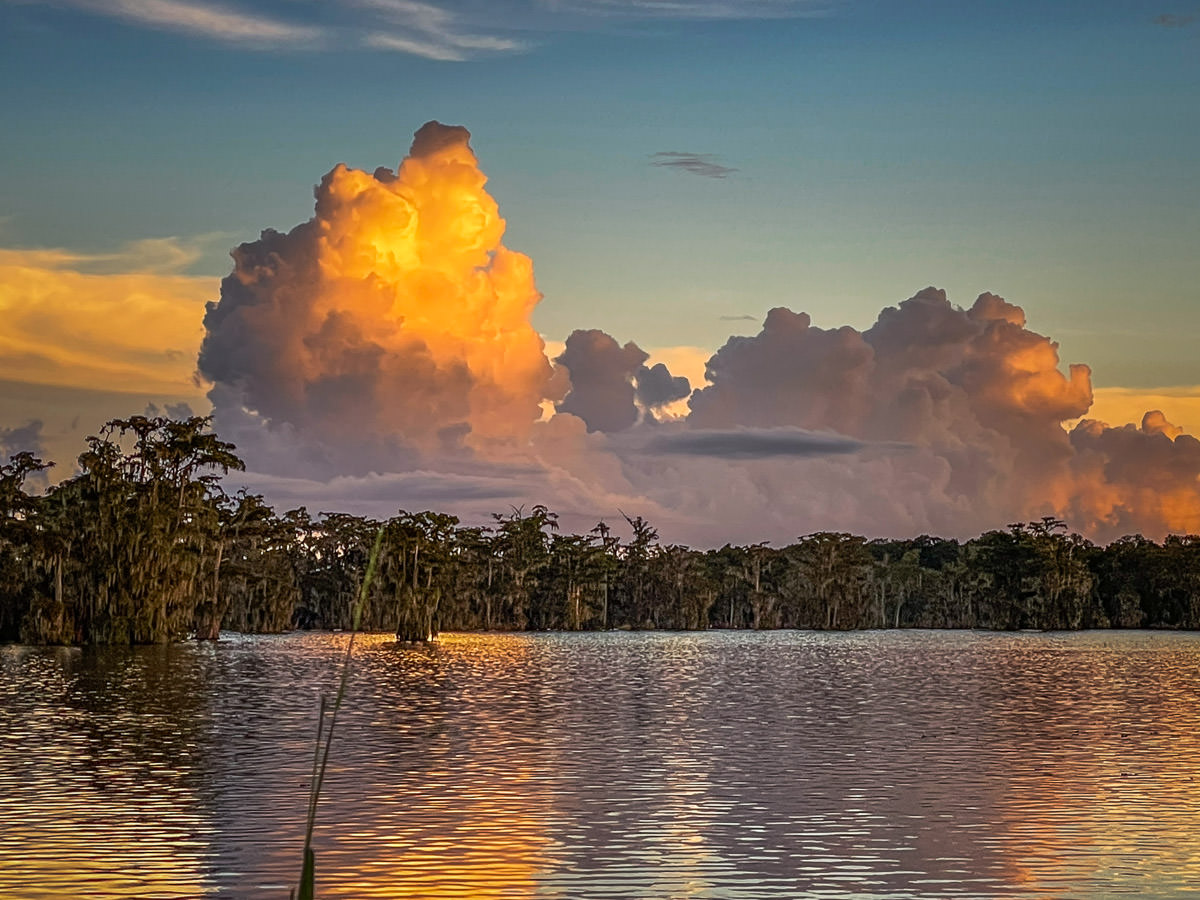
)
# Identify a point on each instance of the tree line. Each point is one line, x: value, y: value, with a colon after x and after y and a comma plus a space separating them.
x: 143, y: 545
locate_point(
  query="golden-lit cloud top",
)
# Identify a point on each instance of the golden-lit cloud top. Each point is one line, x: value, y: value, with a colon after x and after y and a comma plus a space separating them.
x: 395, y: 315
x: 383, y: 351
x: 391, y: 333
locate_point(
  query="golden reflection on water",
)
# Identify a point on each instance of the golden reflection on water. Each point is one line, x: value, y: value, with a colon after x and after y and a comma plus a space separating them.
x: 467, y: 828
x: 765, y: 766
x: 91, y: 803
x: 1107, y: 792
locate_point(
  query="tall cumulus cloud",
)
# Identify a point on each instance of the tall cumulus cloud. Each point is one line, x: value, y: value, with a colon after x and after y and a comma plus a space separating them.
x: 390, y: 327
x: 391, y: 334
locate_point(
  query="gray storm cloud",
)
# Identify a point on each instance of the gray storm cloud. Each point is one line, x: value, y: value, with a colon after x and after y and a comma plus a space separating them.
x: 602, y: 371
x: 611, y: 388
x: 657, y: 387
x: 753, y: 443
x: 25, y: 438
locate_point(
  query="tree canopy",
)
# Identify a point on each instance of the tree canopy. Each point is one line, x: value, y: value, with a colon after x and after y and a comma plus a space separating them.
x: 142, y: 545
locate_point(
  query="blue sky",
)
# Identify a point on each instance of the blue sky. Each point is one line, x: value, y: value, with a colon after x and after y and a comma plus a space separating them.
x: 1046, y: 152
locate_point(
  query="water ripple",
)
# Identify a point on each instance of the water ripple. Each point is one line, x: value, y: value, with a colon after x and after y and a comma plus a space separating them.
x: 717, y: 765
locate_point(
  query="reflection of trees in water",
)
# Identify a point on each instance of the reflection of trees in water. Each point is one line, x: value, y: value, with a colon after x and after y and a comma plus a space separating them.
x: 654, y: 765
x: 433, y: 786
x: 103, y: 791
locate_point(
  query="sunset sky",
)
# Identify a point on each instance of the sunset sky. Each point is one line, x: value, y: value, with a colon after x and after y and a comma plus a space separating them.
x: 674, y: 170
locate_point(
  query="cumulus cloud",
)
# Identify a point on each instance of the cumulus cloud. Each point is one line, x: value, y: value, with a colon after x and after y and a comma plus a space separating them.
x: 392, y: 326
x: 1116, y: 404
x: 702, y: 164
x: 602, y: 391
x: 657, y: 387
x: 382, y: 353
x: 1135, y: 478
x: 973, y: 391
x: 611, y: 387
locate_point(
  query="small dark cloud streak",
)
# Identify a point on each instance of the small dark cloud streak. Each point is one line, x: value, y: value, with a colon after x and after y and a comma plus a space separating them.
x: 1171, y: 20
x: 703, y: 164
x: 754, y: 443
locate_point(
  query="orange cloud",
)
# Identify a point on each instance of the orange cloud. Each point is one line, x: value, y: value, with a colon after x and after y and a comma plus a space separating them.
x: 1119, y: 406
x: 395, y: 315
x: 118, y: 322
x: 391, y: 333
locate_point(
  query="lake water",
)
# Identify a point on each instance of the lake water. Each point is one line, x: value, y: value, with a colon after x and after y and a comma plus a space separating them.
x: 717, y: 765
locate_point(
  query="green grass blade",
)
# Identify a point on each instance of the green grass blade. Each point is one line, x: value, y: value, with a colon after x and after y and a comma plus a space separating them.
x: 307, y: 889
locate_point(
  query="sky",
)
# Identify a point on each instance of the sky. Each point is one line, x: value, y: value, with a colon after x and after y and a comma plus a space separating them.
x: 674, y: 171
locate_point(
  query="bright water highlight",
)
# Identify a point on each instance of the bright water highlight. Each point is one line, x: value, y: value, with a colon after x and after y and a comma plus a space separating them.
x: 710, y: 765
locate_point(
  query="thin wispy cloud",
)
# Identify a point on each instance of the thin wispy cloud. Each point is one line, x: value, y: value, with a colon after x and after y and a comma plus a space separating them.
x: 414, y: 47
x: 430, y: 31
x: 693, y: 9
x: 214, y: 22
x: 444, y: 31
x: 702, y: 164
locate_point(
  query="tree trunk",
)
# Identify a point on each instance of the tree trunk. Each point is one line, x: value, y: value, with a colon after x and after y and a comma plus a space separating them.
x: 208, y: 628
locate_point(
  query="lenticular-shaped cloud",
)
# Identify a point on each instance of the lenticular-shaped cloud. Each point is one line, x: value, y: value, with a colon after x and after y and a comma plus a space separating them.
x: 753, y: 443
x: 702, y: 164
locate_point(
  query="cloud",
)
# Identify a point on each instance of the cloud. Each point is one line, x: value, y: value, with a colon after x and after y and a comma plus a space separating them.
x: 117, y: 322
x: 753, y: 443
x: 1134, y: 478
x: 611, y: 387
x: 602, y: 372
x: 416, y: 47
x: 388, y: 491
x: 205, y: 20
x: 430, y: 31
x: 381, y: 354
x: 657, y: 387
x: 1120, y: 405
x: 395, y: 315
x: 693, y: 163
x: 25, y: 438
x: 694, y: 9
x: 449, y: 31
x: 1170, y: 20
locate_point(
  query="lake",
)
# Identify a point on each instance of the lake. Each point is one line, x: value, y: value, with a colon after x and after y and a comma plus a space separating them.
x: 617, y: 765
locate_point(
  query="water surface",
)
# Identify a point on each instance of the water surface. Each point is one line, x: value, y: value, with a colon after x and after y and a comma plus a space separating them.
x: 711, y: 765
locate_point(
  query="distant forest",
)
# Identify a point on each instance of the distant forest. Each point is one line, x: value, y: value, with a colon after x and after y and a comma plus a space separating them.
x: 144, y: 546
